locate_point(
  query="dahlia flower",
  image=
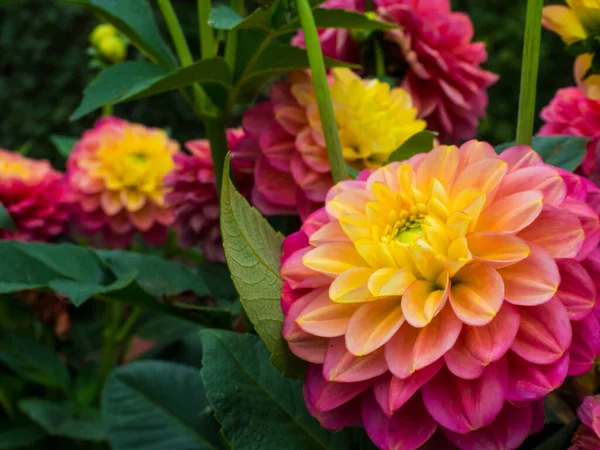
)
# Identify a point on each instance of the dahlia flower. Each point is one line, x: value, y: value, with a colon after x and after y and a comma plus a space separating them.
x: 444, y: 74
x: 194, y: 198
x: 450, y: 292
x: 34, y: 195
x: 336, y: 42
x: 587, y: 436
x: 116, y: 175
x: 292, y: 170
x: 571, y: 113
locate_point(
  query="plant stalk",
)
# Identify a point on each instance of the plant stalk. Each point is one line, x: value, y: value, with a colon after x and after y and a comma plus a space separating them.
x: 216, y: 132
x: 174, y: 27
x: 207, y: 43
x: 529, y: 71
x: 110, y: 353
x: 319, y: 77
x: 232, y: 36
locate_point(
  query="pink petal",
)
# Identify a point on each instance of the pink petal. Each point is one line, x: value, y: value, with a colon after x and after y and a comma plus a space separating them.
x: 477, y: 347
x: 512, y: 213
x: 585, y: 347
x: 325, y: 318
x: 577, y: 290
x: 544, y: 179
x: 497, y: 249
x: 343, y: 416
x: 466, y: 405
x: 409, y: 428
x: 327, y: 395
x: 545, y: 332
x: 528, y: 382
x: 520, y: 156
x: 342, y: 366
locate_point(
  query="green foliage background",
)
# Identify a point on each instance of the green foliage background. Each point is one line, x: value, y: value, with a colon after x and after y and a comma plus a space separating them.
x: 43, y: 71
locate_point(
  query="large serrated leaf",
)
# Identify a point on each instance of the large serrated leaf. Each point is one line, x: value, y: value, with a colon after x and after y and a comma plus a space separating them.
x: 155, y: 405
x: 253, y: 250
x: 257, y: 406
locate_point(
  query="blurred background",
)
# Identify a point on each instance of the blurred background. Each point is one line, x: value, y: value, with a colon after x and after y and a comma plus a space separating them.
x: 44, y: 69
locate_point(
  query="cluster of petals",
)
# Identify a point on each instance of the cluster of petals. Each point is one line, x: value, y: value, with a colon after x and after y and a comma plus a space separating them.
x: 572, y: 113
x: 193, y: 194
x: 34, y: 194
x: 292, y: 172
x: 444, y: 73
x: 445, y: 296
x: 116, y: 178
x: 587, y: 436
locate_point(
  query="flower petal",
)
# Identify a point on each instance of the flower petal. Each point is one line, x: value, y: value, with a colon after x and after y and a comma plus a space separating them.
x: 342, y: 366
x: 585, y: 346
x: 512, y: 213
x: 440, y: 164
x: 497, y: 249
x: 333, y: 258
x: 545, y: 179
x: 520, y: 156
x: 528, y: 382
x: 422, y: 301
x: 325, y: 318
x: 351, y: 286
x: 388, y: 281
x: 327, y: 395
x: 483, y: 175
x: 577, y: 290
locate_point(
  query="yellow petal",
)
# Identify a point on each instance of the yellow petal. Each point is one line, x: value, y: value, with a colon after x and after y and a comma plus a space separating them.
x: 352, y: 286
x: 333, y: 258
x: 564, y: 22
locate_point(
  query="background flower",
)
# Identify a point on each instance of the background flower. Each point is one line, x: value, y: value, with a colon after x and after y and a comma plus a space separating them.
x: 444, y: 74
x: 193, y: 194
x: 292, y: 169
x: 450, y: 292
x: 34, y: 194
x: 587, y: 436
x: 116, y: 175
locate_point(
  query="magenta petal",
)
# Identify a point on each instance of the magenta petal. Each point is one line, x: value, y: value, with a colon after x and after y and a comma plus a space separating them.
x: 327, y: 395
x: 508, y: 431
x: 577, y: 290
x: 477, y: 347
x: 545, y: 332
x: 409, y: 428
x: 466, y: 405
x: 341, y: 365
x: 343, y: 416
x: 528, y: 382
x: 538, y: 418
x: 585, y: 347
x: 392, y: 392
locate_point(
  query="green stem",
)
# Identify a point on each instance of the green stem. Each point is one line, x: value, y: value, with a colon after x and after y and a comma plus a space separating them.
x: 216, y: 131
x: 319, y: 77
x: 529, y: 71
x: 107, y: 110
x: 232, y: 36
x: 126, y: 328
x: 174, y: 27
x: 207, y: 44
x: 379, y: 59
x: 110, y: 353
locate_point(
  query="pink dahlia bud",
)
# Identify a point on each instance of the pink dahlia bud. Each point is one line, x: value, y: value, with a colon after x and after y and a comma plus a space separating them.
x: 337, y: 42
x: 449, y: 292
x: 116, y: 175
x: 444, y: 75
x: 292, y: 169
x: 34, y: 194
x: 587, y: 436
x: 571, y: 113
x: 193, y: 194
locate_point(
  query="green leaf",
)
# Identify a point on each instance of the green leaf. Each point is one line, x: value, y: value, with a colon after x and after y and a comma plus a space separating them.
x: 565, y: 152
x: 257, y: 406
x: 6, y: 222
x: 19, y: 436
x: 560, y: 439
x: 419, y: 143
x: 134, y: 18
x: 153, y: 405
x: 340, y: 18
x: 133, y: 80
x: 29, y: 359
x: 60, y: 419
x: 252, y: 250
x: 223, y: 17
x: 64, y: 144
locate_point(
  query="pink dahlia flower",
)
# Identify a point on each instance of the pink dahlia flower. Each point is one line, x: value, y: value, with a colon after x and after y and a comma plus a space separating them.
x: 447, y: 293
x: 34, y: 195
x: 193, y: 194
x: 337, y: 42
x: 292, y: 169
x: 444, y: 75
x: 587, y: 436
x: 570, y: 112
x: 116, y: 176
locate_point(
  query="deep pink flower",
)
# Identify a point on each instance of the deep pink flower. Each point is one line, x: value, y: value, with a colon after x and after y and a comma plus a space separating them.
x: 587, y: 436
x: 571, y: 113
x: 193, y: 194
x: 34, y: 194
x: 116, y: 177
x: 444, y: 75
x: 337, y: 42
x: 448, y: 293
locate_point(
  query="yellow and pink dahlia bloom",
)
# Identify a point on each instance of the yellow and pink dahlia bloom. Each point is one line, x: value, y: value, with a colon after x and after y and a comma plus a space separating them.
x: 292, y: 172
x: 193, y: 193
x: 445, y: 295
x: 116, y: 176
x: 35, y: 196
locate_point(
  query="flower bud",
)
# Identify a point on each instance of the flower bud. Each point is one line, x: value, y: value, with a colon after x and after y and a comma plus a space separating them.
x: 100, y: 32
x: 112, y: 48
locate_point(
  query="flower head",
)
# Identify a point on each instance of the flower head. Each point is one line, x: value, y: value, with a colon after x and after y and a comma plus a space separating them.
x: 587, y: 436
x: 193, y: 194
x: 444, y: 75
x: 449, y: 292
x: 116, y: 174
x: 574, y: 22
x: 34, y: 195
x: 292, y: 165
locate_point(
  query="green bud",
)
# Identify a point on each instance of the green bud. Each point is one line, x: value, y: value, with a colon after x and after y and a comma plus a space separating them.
x: 113, y: 49
x: 102, y: 31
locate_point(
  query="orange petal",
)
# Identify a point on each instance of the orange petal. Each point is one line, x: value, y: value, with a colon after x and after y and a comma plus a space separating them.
x: 440, y: 163
x: 111, y: 202
x: 532, y: 281
x: 484, y: 175
x: 133, y: 200
x: 512, y: 213
x: 520, y: 156
x: 352, y: 286
x: 497, y: 249
x: 422, y: 301
x: 476, y: 294
x: 333, y: 258
x: 537, y: 178
x: 473, y: 151
x: 373, y: 325
x: 325, y: 318
x: 564, y: 22
x: 390, y: 282
x: 353, y: 201
x: 331, y: 232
